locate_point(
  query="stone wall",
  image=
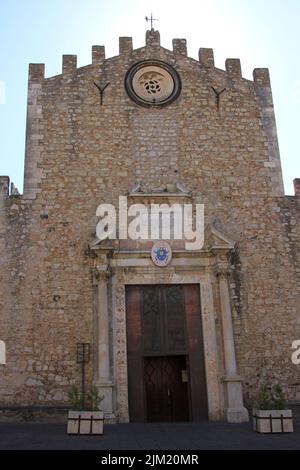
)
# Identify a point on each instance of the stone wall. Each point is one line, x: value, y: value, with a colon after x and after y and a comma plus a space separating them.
x: 79, y: 154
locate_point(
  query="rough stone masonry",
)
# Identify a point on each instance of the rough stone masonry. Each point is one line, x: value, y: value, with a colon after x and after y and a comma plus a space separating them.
x: 88, y: 141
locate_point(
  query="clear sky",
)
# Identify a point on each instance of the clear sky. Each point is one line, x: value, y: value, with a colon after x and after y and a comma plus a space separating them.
x: 262, y: 33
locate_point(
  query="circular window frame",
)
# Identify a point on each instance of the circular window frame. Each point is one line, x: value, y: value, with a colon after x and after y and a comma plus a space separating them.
x: 158, y: 64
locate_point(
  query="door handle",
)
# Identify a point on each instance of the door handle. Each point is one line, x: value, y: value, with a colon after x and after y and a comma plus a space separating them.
x: 169, y: 392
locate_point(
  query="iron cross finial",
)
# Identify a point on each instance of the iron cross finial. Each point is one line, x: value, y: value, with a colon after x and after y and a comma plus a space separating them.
x: 151, y: 19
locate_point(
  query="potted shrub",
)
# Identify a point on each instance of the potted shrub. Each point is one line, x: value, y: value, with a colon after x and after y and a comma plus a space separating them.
x: 270, y: 414
x: 87, y: 418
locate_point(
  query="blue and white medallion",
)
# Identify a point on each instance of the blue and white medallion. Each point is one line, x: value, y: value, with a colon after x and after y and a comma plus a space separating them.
x: 161, y: 254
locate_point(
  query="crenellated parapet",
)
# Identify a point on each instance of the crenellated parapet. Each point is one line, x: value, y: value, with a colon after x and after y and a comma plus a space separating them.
x: 233, y: 69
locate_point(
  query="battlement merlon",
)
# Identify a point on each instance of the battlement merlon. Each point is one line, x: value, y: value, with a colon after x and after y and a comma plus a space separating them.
x: 125, y: 46
x: 179, y: 47
x: 297, y: 187
x: 206, y: 57
x: 36, y: 72
x: 233, y: 68
x: 98, y: 54
x: 262, y: 77
x: 152, y: 38
x: 69, y: 64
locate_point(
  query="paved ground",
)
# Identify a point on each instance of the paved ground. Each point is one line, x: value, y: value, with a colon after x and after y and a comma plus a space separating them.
x: 182, y: 436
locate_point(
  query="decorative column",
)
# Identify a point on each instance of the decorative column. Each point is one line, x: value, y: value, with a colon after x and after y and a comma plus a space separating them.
x: 235, y: 410
x: 103, y: 376
x: 210, y: 350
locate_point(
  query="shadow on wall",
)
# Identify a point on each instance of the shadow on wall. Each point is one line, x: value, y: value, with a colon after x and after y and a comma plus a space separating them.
x: 2, y: 352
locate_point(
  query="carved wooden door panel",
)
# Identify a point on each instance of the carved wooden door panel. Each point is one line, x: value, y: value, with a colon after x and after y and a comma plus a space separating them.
x: 166, y: 375
x: 163, y: 320
x: 166, y: 389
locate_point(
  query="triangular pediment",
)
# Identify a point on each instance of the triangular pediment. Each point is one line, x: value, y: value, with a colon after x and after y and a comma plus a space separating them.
x: 217, y: 240
x: 167, y: 190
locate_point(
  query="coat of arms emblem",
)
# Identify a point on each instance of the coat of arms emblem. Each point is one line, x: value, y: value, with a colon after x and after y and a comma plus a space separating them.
x: 161, y: 254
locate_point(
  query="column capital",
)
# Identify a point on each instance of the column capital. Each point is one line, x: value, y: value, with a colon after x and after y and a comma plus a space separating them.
x: 101, y: 273
x: 221, y: 270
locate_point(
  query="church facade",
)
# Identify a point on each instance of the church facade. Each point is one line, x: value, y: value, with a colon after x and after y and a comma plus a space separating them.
x: 173, y: 334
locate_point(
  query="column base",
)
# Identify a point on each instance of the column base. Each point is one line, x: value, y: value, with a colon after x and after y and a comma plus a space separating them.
x: 109, y: 418
x: 237, y: 415
x: 105, y: 389
x: 235, y: 410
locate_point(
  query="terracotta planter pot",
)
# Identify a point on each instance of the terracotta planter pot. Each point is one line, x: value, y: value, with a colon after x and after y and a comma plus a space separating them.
x: 273, y: 421
x: 85, y: 422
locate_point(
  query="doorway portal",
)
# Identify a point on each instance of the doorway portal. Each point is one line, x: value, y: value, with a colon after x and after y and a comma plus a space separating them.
x: 166, y: 373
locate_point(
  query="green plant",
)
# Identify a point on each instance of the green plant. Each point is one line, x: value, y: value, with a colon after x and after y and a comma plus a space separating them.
x: 279, y: 398
x: 264, y: 398
x: 75, y: 398
x: 271, y: 398
x: 92, y: 399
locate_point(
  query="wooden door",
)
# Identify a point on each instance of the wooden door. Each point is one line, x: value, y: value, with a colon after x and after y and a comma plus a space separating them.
x: 166, y: 389
x: 166, y: 375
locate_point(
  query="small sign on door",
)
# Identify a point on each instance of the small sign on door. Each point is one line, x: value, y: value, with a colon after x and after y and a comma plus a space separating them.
x: 184, y: 376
